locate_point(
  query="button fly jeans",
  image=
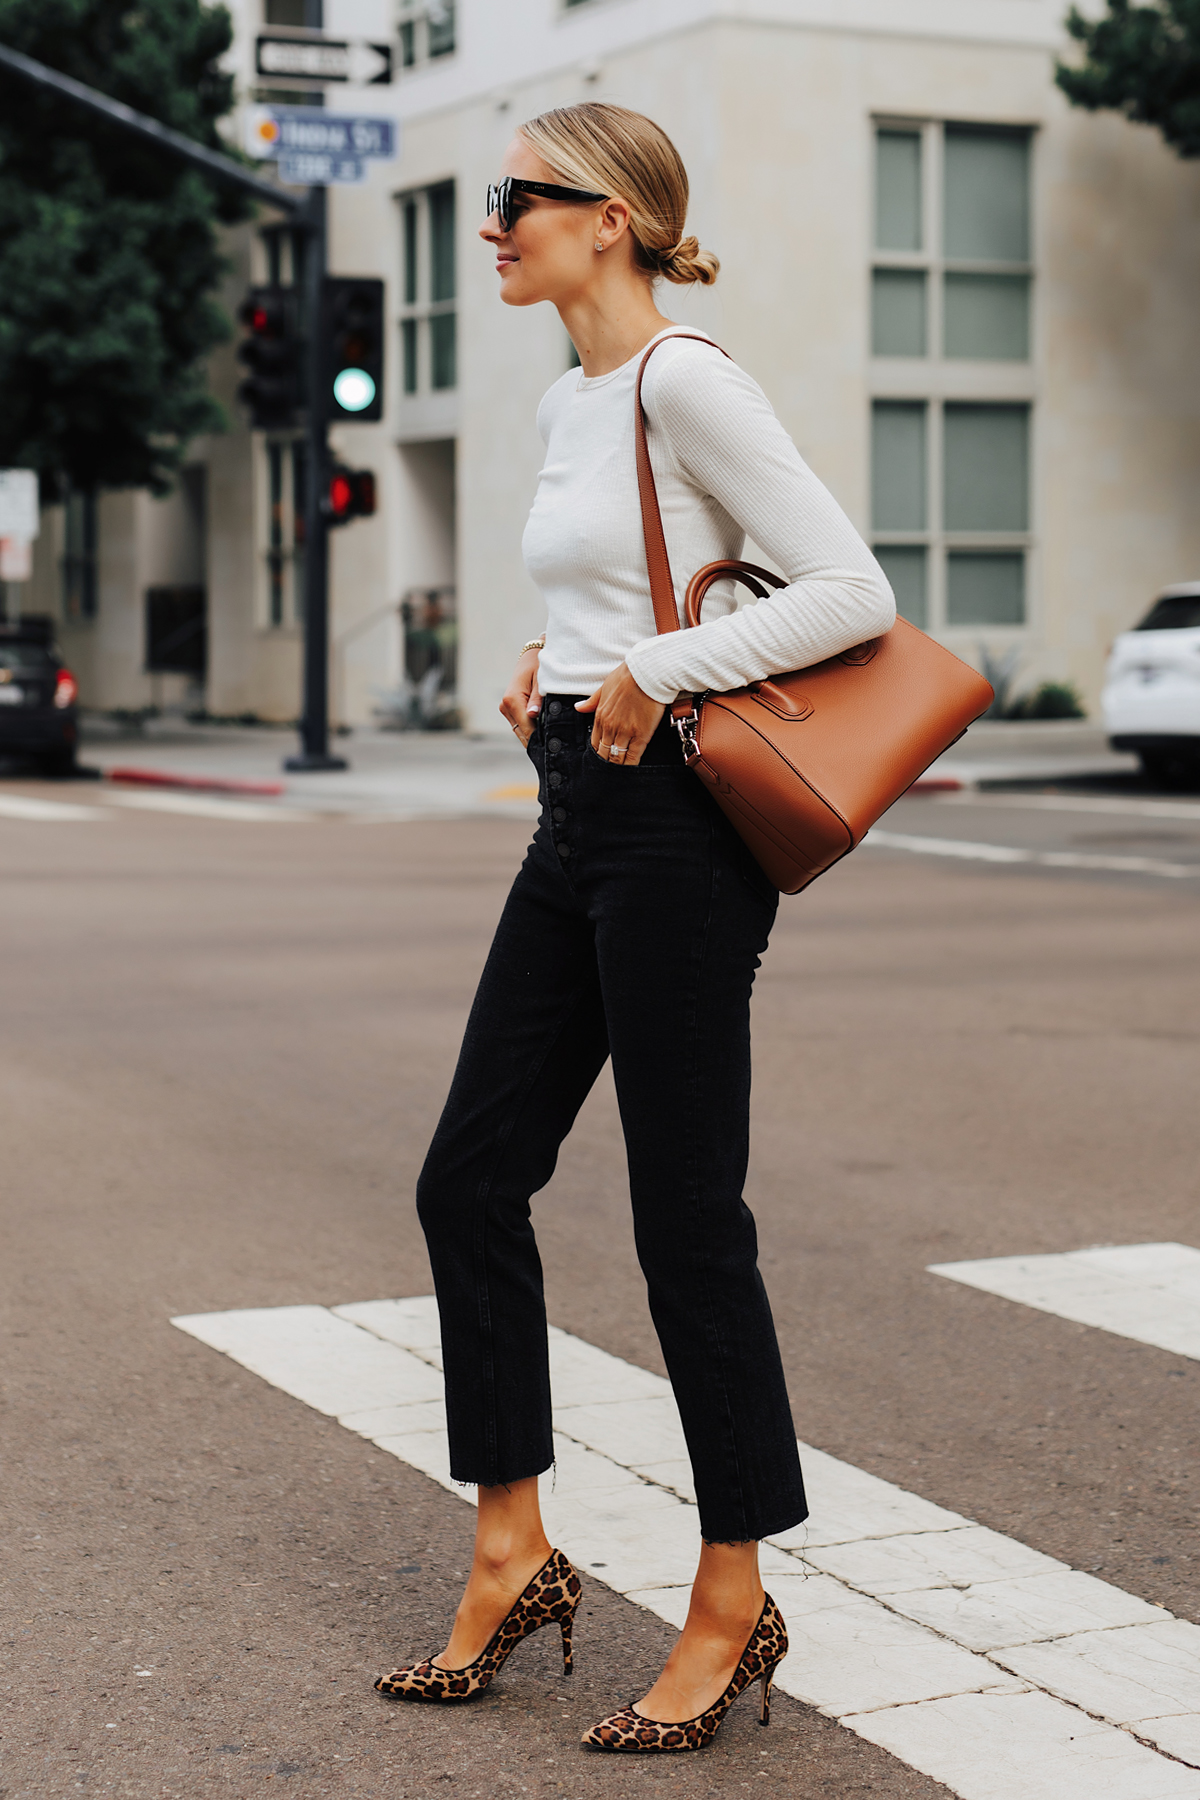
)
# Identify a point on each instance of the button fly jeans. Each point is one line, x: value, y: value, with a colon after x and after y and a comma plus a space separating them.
x: 633, y: 930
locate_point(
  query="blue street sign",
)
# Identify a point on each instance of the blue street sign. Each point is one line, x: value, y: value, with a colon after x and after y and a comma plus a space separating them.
x: 319, y: 168
x: 309, y: 130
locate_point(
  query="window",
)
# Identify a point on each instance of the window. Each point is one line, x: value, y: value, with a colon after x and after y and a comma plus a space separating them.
x: 81, y: 556
x: 287, y: 470
x: 427, y: 31
x: 951, y: 278
x: 950, y: 501
x: 428, y: 321
x: 951, y: 283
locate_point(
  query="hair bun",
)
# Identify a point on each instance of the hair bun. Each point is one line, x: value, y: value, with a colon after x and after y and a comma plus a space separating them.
x: 686, y: 262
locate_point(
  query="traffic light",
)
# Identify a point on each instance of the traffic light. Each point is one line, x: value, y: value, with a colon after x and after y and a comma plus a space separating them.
x: 352, y: 337
x: 273, y: 389
x: 349, y: 495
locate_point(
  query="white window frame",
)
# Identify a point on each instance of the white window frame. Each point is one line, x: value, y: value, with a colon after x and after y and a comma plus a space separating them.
x: 413, y: 16
x: 935, y: 381
x: 429, y: 411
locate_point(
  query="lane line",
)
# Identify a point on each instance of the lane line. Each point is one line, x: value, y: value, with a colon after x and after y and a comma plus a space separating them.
x: 1007, y: 853
x: 913, y: 1626
x: 200, y: 806
x: 1148, y: 1292
x: 48, y: 812
x: 1147, y: 809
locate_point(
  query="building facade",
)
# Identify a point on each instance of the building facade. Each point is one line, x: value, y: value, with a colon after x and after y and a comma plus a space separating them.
x: 972, y: 307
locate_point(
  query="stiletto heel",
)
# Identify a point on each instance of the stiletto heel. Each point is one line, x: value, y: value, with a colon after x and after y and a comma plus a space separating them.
x: 765, y: 1680
x: 629, y: 1730
x: 551, y: 1597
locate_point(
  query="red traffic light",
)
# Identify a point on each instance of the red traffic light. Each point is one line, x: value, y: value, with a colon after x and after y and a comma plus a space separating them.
x: 350, y: 494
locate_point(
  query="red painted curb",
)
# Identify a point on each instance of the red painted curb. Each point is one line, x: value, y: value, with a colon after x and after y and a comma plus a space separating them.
x: 202, y: 784
x: 937, y: 784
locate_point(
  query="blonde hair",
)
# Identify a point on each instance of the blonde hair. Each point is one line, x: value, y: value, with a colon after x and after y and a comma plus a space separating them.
x: 623, y: 154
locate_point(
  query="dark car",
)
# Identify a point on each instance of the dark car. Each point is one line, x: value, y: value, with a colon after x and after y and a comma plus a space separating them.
x: 37, y: 697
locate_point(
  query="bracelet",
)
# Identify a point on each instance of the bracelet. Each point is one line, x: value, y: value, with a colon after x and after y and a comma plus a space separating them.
x: 538, y: 643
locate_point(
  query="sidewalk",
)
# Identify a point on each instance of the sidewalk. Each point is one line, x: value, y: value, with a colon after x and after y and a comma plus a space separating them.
x: 392, y: 774
x: 998, y: 750
x: 416, y: 775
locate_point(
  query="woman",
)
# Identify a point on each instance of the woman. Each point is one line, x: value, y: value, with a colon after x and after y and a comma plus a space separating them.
x: 634, y: 926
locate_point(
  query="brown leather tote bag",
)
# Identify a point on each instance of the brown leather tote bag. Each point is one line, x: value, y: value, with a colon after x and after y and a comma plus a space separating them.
x: 804, y: 764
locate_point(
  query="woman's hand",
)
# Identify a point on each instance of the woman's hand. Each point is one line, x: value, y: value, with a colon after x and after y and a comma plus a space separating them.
x: 626, y: 718
x: 522, y: 703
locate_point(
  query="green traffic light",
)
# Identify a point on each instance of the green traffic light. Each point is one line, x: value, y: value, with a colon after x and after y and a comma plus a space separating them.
x: 353, y: 390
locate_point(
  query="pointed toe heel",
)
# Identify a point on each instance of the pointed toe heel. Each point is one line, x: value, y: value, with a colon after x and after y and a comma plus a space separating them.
x: 551, y: 1598
x: 627, y: 1730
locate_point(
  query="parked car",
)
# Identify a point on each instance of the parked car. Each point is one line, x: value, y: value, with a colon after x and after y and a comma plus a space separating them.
x: 37, y: 697
x: 1151, y: 697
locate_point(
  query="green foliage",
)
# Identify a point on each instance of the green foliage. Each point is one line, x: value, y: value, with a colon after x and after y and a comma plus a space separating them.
x: 1053, y: 700
x: 1143, y: 61
x: 108, y: 247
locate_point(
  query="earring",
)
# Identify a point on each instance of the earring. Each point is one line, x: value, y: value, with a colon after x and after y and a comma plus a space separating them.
x: 599, y: 245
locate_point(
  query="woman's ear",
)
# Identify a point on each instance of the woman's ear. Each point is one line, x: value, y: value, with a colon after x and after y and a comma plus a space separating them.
x: 612, y: 222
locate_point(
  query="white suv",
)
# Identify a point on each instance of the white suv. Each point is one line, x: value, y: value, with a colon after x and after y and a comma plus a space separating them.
x: 1151, y: 697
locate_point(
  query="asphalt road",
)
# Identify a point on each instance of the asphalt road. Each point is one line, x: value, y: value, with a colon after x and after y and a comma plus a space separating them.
x: 222, y: 1049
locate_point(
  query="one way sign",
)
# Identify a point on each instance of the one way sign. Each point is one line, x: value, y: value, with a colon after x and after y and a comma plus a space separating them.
x: 325, y: 59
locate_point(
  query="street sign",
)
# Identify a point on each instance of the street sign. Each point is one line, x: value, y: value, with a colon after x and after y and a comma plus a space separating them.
x: 310, y: 130
x: 325, y: 59
x: 320, y: 168
x: 18, y: 504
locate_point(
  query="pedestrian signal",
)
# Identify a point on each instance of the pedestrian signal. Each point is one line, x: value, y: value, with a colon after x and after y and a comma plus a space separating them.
x: 350, y: 495
x: 272, y: 391
x: 352, y: 337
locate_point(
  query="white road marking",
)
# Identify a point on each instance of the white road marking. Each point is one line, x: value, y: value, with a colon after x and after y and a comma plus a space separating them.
x: 48, y: 812
x: 1081, y: 803
x: 1149, y: 1292
x: 202, y: 806
x: 961, y: 1651
x: 1007, y: 853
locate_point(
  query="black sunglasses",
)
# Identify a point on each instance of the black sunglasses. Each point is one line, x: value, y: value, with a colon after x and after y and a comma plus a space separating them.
x: 500, y: 193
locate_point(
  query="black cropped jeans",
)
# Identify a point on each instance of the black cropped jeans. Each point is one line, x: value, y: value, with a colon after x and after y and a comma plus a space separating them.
x: 633, y: 930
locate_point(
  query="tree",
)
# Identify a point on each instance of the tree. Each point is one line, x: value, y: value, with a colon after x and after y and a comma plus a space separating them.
x: 1143, y: 61
x: 109, y: 254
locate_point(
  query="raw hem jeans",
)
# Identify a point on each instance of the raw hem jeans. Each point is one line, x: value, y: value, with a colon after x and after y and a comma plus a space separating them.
x: 633, y: 930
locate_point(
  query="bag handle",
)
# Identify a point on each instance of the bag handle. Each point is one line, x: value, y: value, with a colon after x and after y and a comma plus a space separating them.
x: 658, y: 564
x: 658, y: 567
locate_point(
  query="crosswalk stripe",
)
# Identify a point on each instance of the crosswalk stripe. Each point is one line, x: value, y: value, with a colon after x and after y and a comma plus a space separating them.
x: 1008, y: 853
x: 48, y: 812
x: 1149, y: 1292
x: 963, y: 1652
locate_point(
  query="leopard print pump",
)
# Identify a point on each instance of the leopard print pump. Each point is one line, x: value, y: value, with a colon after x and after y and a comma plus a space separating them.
x: 550, y: 1599
x: 628, y: 1730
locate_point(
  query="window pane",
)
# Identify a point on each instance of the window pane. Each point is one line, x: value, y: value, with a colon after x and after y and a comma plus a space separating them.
x: 898, y: 190
x: 441, y: 241
x: 898, y: 312
x: 987, y: 195
x: 408, y: 49
x: 898, y: 465
x: 410, y: 252
x: 408, y: 347
x: 441, y: 27
x: 904, y: 566
x: 987, y: 317
x: 986, y: 462
x: 985, y: 587
x: 443, y: 373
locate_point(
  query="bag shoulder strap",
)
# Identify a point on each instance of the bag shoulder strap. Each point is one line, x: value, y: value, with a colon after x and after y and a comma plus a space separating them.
x: 658, y: 565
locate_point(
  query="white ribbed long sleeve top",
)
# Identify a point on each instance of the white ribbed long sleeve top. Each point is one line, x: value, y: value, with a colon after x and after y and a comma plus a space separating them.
x: 724, y: 467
